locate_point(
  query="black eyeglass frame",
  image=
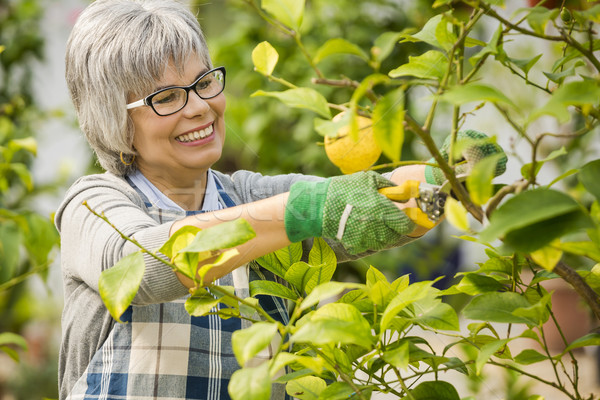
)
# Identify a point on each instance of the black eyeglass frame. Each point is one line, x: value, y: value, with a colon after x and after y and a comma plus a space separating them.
x: 147, y: 101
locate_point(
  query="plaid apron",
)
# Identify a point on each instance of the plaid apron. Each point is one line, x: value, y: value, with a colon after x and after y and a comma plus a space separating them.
x: 161, y: 352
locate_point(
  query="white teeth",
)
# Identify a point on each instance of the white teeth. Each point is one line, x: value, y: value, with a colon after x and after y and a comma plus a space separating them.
x: 201, y: 134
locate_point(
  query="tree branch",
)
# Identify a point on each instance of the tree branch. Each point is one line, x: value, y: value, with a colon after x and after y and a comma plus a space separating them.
x: 571, y: 276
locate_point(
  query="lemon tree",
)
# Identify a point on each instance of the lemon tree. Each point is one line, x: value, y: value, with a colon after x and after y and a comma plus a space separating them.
x: 345, y: 340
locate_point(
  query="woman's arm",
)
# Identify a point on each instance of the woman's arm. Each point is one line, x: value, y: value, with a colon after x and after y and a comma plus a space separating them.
x: 266, y: 218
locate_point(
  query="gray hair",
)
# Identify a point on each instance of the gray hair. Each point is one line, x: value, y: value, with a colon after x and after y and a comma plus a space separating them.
x: 119, y: 49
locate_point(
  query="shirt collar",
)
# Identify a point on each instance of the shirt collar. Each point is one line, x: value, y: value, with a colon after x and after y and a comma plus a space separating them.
x: 160, y: 200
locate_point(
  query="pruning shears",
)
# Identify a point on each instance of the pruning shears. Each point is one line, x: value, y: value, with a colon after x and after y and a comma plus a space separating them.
x: 430, y: 199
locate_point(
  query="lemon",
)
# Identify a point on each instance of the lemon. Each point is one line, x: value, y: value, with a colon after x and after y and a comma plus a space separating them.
x: 352, y: 156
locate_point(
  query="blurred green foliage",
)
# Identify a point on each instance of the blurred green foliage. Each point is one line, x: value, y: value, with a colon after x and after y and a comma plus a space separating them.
x: 27, y: 238
x: 265, y: 135
x: 271, y: 138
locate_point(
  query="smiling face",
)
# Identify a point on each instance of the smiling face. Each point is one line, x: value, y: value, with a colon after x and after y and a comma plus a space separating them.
x: 175, y: 151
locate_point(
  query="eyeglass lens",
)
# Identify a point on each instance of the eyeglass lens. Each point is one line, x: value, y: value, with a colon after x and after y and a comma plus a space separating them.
x: 171, y: 100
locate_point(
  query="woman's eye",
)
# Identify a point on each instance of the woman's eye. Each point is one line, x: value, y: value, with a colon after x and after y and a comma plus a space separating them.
x: 204, y: 84
x: 165, y: 97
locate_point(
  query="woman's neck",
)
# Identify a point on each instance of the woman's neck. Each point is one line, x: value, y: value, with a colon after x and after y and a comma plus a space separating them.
x: 188, y: 193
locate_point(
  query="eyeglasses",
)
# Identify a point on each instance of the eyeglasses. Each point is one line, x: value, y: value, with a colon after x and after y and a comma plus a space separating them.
x: 169, y: 100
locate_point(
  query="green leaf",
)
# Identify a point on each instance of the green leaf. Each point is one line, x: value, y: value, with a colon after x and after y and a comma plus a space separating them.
x: 342, y: 391
x: 380, y: 293
x: 339, y: 46
x: 435, y: 314
x: 474, y: 284
x: 399, y: 357
x: 335, y: 323
x: 248, y: 342
x: 22, y: 171
x: 580, y: 93
x: 543, y: 214
x: 435, y: 32
x: 434, y: 390
x: 388, y: 124
x: 323, y: 256
x: 538, y: 235
x: 456, y: 214
x: 574, y: 54
x: 479, y: 181
x: 373, y: 276
x: 547, y: 257
x: 526, y: 169
x: 592, y: 339
x: 488, y: 350
x: 562, y: 176
x: 539, y: 17
x: 332, y: 332
x: 40, y: 238
x: 412, y: 293
x: 384, y: 45
x: 187, y: 263
x: 331, y: 127
x: 200, y: 303
x: 587, y: 249
x: 314, y: 363
x: 493, y: 47
x: 10, y: 242
x: 496, y: 307
x: 281, y: 260
x: 305, y: 98
x: 12, y: 339
x: 429, y: 65
x: 560, y: 77
x: 119, y: 285
x: 306, y: 387
x: 537, y: 314
x: 251, y: 383
x: 299, y: 274
x: 529, y: 356
x: 270, y: 288
x: 326, y: 291
x: 592, y: 13
x: 525, y: 64
x: 588, y: 176
x: 221, y: 259
x: 444, y: 34
x: 288, y: 12
x: 476, y: 92
x: 265, y: 57
x: 222, y: 236
x: 179, y: 240
x: 497, y: 265
x: 28, y: 144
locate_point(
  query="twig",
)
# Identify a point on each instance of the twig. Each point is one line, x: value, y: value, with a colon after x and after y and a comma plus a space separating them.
x: 18, y: 279
x: 576, y: 281
x: 458, y: 188
x: 129, y: 239
x: 502, y: 193
x: 533, y: 376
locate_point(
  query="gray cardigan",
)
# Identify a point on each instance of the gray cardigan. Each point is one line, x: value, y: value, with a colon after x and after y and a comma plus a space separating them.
x: 89, y: 246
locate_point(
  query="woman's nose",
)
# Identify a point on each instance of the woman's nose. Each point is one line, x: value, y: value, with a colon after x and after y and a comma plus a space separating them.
x: 195, y: 105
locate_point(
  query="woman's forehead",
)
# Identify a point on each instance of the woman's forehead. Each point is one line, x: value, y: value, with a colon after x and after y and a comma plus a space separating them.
x: 183, y: 73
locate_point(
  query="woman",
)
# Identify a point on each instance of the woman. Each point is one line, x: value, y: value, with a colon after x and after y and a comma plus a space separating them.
x: 151, y: 106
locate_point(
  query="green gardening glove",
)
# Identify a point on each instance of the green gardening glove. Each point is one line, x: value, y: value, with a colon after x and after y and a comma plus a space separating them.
x: 348, y: 209
x: 472, y: 154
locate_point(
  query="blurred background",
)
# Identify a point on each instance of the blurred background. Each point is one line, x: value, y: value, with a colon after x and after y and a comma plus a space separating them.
x: 262, y: 135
